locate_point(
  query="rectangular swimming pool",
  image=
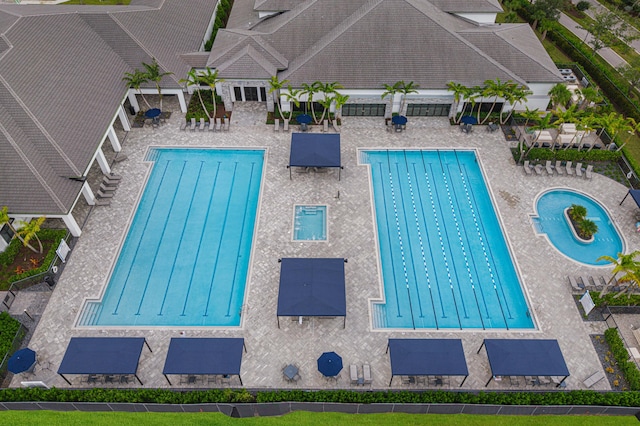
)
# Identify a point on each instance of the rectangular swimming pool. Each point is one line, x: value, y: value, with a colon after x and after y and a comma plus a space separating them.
x: 444, y: 258
x: 310, y: 223
x: 185, y: 259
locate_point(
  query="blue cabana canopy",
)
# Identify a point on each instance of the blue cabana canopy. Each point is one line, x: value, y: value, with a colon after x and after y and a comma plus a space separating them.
x: 427, y: 357
x: 525, y: 357
x: 315, y: 150
x: 206, y: 356
x: 102, y: 355
x: 635, y: 194
x: 312, y: 287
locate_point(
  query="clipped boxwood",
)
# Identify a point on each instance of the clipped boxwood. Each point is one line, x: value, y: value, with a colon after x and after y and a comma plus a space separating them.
x: 610, y: 299
x: 595, y: 155
x: 628, y: 368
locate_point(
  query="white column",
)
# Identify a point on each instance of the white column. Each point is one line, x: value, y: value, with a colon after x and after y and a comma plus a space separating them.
x: 102, y: 162
x: 88, y: 194
x: 122, y: 114
x: 72, y: 225
x: 133, y: 100
x: 183, y: 104
x: 115, y: 143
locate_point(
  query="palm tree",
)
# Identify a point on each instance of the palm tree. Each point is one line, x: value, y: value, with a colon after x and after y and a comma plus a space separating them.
x: 626, y: 264
x: 29, y: 230
x: 529, y: 115
x: 494, y: 89
x: 292, y: 96
x: 615, y: 123
x: 193, y: 79
x: 328, y: 89
x: 210, y: 78
x: 339, y: 100
x: 154, y: 74
x: 590, y: 95
x: 406, y: 89
x: 391, y: 92
x: 515, y: 95
x: 459, y: 90
x: 587, y: 228
x: 310, y: 90
x: 275, y: 86
x: 560, y: 95
x: 577, y: 212
x: 136, y: 79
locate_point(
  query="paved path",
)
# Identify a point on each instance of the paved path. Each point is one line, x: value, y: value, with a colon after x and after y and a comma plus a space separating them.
x: 542, y: 269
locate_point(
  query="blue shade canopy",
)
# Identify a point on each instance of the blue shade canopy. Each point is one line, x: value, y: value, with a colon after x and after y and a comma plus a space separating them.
x: 21, y: 361
x: 315, y: 150
x: 468, y: 119
x: 102, y: 355
x: 525, y: 357
x: 304, y: 119
x: 152, y: 113
x: 427, y: 357
x: 313, y: 287
x: 204, y: 356
x: 330, y: 364
x: 399, y: 119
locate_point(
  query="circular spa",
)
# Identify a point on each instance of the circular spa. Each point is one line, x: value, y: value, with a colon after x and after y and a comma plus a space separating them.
x: 551, y: 220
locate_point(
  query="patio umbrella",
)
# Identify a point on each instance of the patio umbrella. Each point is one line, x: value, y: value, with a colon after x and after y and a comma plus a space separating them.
x: 330, y: 364
x: 304, y: 119
x: 468, y: 119
x: 399, y: 119
x: 21, y: 361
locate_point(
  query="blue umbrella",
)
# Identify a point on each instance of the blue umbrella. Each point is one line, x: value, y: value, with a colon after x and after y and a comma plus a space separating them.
x: 304, y: 119
x: 399, y: 119
x: 468, y: 119
x: 153, y: 113
x: 21, y: 361
x: 330, y: 364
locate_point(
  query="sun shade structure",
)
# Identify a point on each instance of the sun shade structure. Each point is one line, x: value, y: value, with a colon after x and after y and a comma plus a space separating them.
x: 635, y: 194
x: 102, y: 355
x: 427, y: 357
x: 312, y: 287
x: 204, y: 356
x: 21, y: 361
x: 525, y: 357
x: 315, y: 150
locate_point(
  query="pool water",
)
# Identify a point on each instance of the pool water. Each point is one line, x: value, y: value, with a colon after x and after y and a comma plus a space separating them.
x: 185, y: 258
x: 550, y: 220
x: 310, y: 223
x: 444, y: 259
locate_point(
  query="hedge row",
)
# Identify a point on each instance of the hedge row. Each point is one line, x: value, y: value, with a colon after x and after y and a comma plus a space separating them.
x: 165, y: 396
x: 628, y: 368
x: 8, y: 329
x: 610, y: 299
x: 542, y: 154
x: 222, y: 16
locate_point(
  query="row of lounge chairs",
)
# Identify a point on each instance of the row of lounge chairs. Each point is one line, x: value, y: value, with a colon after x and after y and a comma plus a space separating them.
x: 108, y: 186
x: 221, y: 124
x: 276, y: 125
x: 356, y: 379
x: 583, y: 283
x: 559, y: 168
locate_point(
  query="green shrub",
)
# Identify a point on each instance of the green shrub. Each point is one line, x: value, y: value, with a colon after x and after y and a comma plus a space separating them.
x: 10, y: 253
x: 583, y: 5
x: 8, y: 329
x: 598, y: 155
x: 610, y: 299
x: 222, y: 16
x: 628, y: 368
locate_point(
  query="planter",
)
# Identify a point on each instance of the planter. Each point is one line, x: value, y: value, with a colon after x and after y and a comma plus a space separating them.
x: 574, y: 231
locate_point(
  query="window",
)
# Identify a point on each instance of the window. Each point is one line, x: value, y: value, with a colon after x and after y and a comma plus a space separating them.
x: 237, y: 91
x: 363, y: 110
x: 250, y: 93
x: 263, y: 94
x: 6, y: 234
x: 428, y: 110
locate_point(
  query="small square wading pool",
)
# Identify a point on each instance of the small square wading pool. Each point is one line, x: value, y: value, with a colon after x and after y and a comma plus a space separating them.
x: 310, y: 223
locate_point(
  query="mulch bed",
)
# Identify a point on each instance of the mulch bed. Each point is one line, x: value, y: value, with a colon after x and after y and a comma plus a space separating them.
x: 612, y: 372
x: 594, y: 315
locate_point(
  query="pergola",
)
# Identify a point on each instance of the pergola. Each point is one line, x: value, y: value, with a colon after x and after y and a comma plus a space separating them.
x: 315, y: 150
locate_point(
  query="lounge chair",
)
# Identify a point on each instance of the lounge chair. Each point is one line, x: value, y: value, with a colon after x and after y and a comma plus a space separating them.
x: 587, y: 284
x: 538, y: 169
x: 105, y: 188
x: 366, y: 374
x: 193, y: 124
x: 549, y: 167
x: 110, y: 182
x: 276, y: 125
x: 101, y: 194
x: 113, y: 176
x: 325, y: 126
x: 588, y: 172
x: 353, y: 372
x: 226, y: 122
x: 120, y: 157
x: 218, y: 124
x: 569, y: 168
x: 102, y: 203
x: 575, y: 287
x: 579, y: 170
x: 183, y: 126
x: 527, y: 167
x: 559, y: 167
x: 286, y: 125
x: 202, y: 123
x: 596, y: 284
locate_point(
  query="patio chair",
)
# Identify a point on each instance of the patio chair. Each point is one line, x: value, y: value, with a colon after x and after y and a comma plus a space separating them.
x: 544, y: 380
x: 286, y: 125
x: 579, y: 170
x: 588, y: 172
x: 559, y: 167
x: 531, y: 380
x: 538, y: 169
x: 569, y: 167
x: 93, y: 379
x: 325, y: 126
x: 366, y: 374
x: 102, y: 203
x: 113, y: 176
x: 212, y: 126
x: 120, y: 157
x: 549, y: 167
x: 276, y: 125
x: 101, y: 194
x: 110, y: 182
x: 527, y: 167
x: 575, y: 286
x: 202, y: 124
x: 105, y: 188
x: 587, y: 283
x: 597, y: 284
x: 193, y: 124
x: 108, y: 378
x: 226, y: 122
x: 183, y: 126
x: 492, y: 127
x: 515, y: 381
x: 353, y: 373
x: 218, y: 124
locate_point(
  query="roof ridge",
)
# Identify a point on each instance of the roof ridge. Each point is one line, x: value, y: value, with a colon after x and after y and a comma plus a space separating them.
x: 250, y: 51
x: 3, y: 37
x: 332, y: 35
x: 44, y: 131
x: 268, y: 47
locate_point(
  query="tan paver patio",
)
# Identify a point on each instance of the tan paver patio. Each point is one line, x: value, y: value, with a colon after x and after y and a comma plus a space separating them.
x: 351, y: 235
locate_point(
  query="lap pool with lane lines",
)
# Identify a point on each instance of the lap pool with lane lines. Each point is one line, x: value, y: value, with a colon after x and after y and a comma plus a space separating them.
x: 444, y: 258
x: 185, y: 259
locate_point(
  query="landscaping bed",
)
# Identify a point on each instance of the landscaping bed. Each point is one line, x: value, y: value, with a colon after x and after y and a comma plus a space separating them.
x: 612, y: 370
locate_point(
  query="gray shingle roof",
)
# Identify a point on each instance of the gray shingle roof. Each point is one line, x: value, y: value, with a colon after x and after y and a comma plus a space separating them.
x: 247, y: 63
x: 275, y: 5
x: 365, y: 43
x: 61, y: 70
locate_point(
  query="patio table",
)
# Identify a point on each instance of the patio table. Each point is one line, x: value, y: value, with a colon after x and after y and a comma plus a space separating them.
x: 290, y: 371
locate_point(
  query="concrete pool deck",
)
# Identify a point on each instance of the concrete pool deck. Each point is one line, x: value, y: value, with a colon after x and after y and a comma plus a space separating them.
x: 542, y: 269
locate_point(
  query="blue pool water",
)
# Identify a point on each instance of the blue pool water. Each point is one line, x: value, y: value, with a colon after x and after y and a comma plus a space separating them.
x: 550, y: 220
x: 186, y: 255
x: 310, y: 223
x: 445, y: 262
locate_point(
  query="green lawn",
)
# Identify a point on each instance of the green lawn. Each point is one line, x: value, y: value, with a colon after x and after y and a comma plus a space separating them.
x: 298, y: 418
